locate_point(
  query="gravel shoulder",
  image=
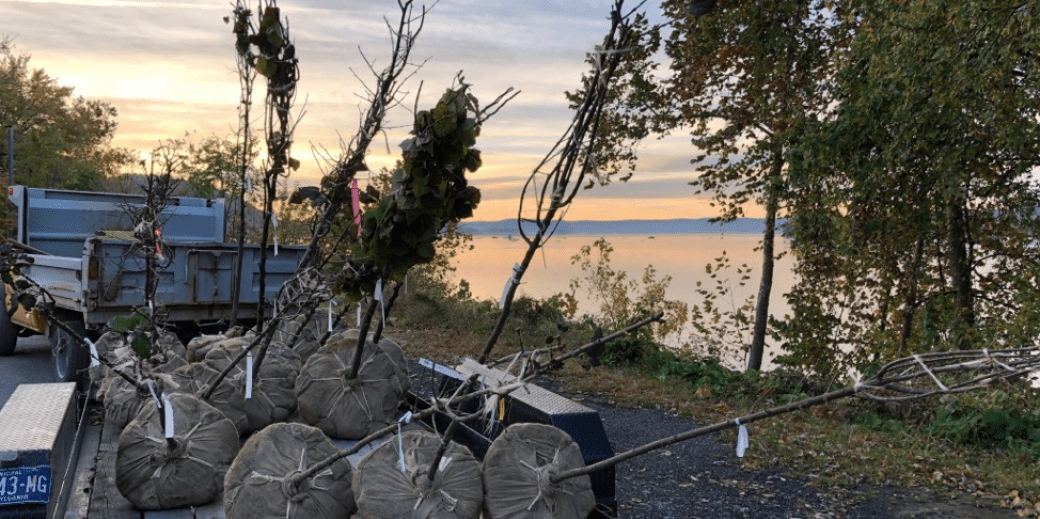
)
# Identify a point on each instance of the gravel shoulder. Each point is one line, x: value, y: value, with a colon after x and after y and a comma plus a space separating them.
x: 703, y: 478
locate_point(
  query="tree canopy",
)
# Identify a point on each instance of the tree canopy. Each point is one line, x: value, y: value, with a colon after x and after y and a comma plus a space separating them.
x: 61, y: 140
x: 917, y: 197
x: 898, y: 139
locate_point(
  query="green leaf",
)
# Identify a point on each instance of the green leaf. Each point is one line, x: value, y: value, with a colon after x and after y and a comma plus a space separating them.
x: 121, y: 323
x: 266, y: 67
x: 141, y: 345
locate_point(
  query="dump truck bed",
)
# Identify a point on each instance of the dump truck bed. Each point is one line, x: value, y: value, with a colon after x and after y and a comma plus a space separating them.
x: 195, y: 278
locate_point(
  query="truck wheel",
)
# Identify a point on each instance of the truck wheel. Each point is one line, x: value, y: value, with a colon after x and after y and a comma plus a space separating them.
x: 8, y: 331
x: 69, y: 356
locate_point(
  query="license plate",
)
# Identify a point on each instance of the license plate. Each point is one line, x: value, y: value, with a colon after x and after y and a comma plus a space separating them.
x: 25, y: 485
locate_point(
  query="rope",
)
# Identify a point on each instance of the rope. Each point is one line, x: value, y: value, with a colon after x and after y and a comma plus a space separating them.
x: 930, y: 374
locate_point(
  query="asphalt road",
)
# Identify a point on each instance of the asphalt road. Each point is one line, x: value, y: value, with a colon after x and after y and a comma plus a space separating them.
x: 29, y: 364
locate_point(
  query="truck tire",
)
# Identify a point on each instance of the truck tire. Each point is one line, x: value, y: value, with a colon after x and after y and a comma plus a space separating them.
x: 8, y: 330
x: 69, y: 356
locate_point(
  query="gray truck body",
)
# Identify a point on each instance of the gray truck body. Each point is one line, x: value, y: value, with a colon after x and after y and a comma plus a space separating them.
x: 92, y: 266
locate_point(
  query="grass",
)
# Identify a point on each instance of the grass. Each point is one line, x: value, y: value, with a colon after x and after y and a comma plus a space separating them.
x: 845, y: 443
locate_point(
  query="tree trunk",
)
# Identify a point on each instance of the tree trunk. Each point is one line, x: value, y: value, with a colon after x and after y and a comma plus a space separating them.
x: 912, y: 299
x: 960, y: 270
x: 765, y: 287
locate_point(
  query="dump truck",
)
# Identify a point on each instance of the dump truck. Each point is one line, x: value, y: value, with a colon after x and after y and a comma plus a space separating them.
x: 81, y: 248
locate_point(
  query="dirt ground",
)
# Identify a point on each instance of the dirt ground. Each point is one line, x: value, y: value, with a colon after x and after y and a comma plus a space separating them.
x: 702, y: 478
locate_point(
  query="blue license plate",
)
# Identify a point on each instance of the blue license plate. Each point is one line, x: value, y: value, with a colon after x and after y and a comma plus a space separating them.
x: 25, y: 485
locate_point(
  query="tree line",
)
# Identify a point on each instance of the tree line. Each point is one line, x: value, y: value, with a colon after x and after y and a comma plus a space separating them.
x: 897, y: 140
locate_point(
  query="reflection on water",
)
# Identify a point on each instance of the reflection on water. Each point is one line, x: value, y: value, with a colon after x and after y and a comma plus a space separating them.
x: 683, y: 257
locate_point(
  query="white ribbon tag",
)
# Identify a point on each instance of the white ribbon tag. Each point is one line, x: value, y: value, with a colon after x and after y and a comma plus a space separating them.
x: 249, y: 377
x: 509, y: 284
x: 168, y: 412
x: 151, y: 389
x: 95, y: 360
x: 379, y: 297
x: 359, y: 314
x: 407, y: 418
x: 330, y: 314
x: 274, y: 222
x: 742, y: 439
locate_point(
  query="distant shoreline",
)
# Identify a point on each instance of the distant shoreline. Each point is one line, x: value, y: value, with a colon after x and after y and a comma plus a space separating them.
x: 622, y: 227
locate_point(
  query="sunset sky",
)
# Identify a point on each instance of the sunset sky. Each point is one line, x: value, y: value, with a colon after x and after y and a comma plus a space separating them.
x: 168, y: 67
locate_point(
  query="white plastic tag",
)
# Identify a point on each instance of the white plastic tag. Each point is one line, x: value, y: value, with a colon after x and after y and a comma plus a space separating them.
x: 359, y: 315
x: 330, y: 314
x: 168, y: 413
x: 151, y: 389
x: 249, y: 377
x: 95, y: 359
x: 509, y: 283
x: 742, y: 439
x: 274, y: 223
x: 407, y: 418
x: 379, y: 297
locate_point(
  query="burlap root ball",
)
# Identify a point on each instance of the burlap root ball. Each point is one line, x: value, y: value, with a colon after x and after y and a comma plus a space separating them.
x: 114, y: 350
x: 222, y: 355
x: 199, y: 346
x: 256, y: 484
x: 274, y: 388
x: 384, y: 491
x: 123, y: 401
x: 351, y: 409
x: 308, y: 332
x: 154, y: 473
x: 517, y: 471
x: 228, y: 398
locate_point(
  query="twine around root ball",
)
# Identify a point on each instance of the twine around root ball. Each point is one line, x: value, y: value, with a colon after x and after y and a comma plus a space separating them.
x: 264, y: 481
x: 518, y: 471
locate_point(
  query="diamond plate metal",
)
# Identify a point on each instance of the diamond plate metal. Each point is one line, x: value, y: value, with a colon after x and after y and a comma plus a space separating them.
x: 37, y: 436
x: 537, y: 397
x: 33, y: 416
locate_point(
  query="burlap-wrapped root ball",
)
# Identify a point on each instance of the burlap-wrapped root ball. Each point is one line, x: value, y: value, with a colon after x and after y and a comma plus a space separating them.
x: 154, y: 473
x: 352, y: 408
x: 384, y: 491
x: 123, y: 401
x: 113, y: 349
x: 257, y: 485
x: 517, y: 471
x: 305, y: 334
x: 228, y: 398
x: 222, y: 355
x: 198, y: 347
x: 274, y: 388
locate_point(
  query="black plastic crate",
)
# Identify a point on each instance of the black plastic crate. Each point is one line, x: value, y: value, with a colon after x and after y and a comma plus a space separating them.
x: 530, y: 405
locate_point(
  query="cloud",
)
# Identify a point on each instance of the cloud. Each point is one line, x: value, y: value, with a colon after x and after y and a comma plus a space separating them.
x: 169, y: 68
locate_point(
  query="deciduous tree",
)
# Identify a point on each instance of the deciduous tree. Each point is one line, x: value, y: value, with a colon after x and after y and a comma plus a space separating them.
x: 917, y: 195
x: 61, y: 140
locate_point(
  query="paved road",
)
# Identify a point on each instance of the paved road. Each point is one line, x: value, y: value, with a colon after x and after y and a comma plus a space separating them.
x: 29, y: 364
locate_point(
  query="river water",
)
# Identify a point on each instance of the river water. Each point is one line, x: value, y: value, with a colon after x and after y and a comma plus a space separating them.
x: 489, y: 266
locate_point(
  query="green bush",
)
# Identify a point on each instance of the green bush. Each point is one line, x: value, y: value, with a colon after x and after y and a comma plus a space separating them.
x: 1005, y: 427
